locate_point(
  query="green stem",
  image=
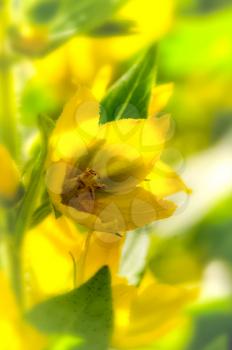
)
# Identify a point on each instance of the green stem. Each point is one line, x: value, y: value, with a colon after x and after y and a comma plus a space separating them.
x: 23, y: 220
x: 8, y: 134
x: 7, y: 90
x: 82, y: 261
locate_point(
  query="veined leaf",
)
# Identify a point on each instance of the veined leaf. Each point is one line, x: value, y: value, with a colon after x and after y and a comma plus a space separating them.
x: 85, y: 312
x: 129, y: 97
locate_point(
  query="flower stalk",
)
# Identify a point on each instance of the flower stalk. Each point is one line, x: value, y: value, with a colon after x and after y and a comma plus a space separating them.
x: 8, y: 136
x: 7, y: 89
x: 82, y: 260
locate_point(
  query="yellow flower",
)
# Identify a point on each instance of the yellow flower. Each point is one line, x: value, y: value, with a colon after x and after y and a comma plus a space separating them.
x: 98, y: 174
x: 152, y: 19
x: 9, y: 176
x: 48, y: 253
x: 141, y: 314
x: 85, y: 60
x: 146, y: 313
x: 15, y: 334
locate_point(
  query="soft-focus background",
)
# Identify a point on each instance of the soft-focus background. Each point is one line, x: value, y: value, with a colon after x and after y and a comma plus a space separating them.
x: 196, y: 55
x: 195, y: 77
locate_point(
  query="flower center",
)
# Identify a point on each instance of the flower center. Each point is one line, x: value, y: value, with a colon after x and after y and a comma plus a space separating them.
x: 79, y: 191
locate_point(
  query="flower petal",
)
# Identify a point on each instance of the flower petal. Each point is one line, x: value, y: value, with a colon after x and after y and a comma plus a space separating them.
x: 160, y: 97
x: 76, y: 127
x: 130, y: 150
x: 130, y: 210
x: 47, y: 260
x: 151, y: 312
x: 104, y: 249
x: 163, y: 181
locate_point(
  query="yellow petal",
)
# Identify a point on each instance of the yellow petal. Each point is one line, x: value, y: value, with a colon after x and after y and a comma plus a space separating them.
x: 104, y: 249
x: 151, y: 312
x: 101, y: 81
x: 163, y: 181
x: 47, y: 258
x: 123, y: 296
x: 160, y: 96
x: 130, y: 150
x: 68, y: 66
x: 128, y: 211
x: 8, y: 305
x: 9, y: 175
x: 76, y: 127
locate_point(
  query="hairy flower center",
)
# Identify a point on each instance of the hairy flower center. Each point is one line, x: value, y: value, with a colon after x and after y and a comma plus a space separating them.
x: 79, y: 191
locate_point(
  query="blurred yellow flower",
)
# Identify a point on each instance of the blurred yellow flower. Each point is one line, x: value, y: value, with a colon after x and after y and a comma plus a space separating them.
x: 15, y: 334
x: 9, y: 176
x: 98, y: 174
x: 152, y: 19
x: 145, y: 313
x: 83, y: 59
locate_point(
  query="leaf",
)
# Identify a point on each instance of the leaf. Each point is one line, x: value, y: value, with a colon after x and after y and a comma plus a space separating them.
x: 85, y: 312
x: 129, y: 97
x: 32, y: 191
x: 210, y: 323
x: 41, y: 213
x: 46, y: 125
x: 67, y: 18
x: 44, y: 11
x: 221, y: 343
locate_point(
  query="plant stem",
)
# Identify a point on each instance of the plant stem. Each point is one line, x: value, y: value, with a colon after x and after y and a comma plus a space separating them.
x: 7, y: 91
x: 8, y: 136
x: 82, y: 261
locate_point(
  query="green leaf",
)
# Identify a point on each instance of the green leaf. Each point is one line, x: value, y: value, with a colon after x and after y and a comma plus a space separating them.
x: 41, y: 213
x: 129, y: 97
x: 221, y: 343
x: 46, y: 125
x: 210, y: 323
x: 44, y: 11
x: 66, y: 343
x: 67, y: 18
x: 32, y: 191
x: 85, y: 312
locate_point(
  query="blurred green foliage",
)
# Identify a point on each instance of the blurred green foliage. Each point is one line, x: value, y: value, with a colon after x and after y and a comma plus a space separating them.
x: 197, y: 55
x: 183, y: 257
